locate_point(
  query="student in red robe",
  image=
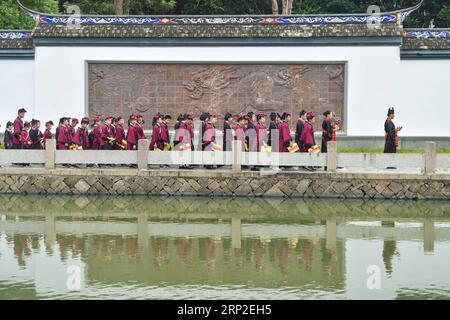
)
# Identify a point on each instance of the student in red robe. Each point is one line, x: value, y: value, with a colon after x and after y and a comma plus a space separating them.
x: 177, y: 127
x: 48, y: 131
x: 108, y: 134
x: 72, y: 129
x: 251, y: 138
x: 132, y: 134
x: 209, y: 134
x: 140, y: 127
x: 239, y: 130
x: 18, y: 127
x: 261, y: 131
x: 157, y: 141
x: 120, y: 133
x: 183, y: 134
x: 285, y: 137
x: 81, y: 137
x: 190, y: 128
x: 36, y: 135
x: 307, y: 137
x: 25, y: 139
x: 63, y: 135
x: 9, y: 136
x: 97, y: 135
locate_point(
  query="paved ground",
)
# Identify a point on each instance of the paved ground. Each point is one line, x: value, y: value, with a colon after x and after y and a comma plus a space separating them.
x: 225, y: 169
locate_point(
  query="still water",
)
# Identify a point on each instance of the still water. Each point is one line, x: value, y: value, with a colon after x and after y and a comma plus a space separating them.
x: 202, y: 248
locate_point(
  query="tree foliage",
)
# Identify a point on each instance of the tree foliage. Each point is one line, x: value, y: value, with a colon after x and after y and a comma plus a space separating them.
x: 437, y: 11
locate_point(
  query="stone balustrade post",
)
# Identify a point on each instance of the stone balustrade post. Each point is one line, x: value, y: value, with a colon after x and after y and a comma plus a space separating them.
x: 430, y: 158
x: 332, y: 156
x: 142, y: 157
x: 237, y: 156
x: 50, y: 150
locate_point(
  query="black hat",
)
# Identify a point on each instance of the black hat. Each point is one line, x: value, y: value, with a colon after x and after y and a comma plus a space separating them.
x: 21, y: 110
x: 391, y: 111
x: 327, y: 113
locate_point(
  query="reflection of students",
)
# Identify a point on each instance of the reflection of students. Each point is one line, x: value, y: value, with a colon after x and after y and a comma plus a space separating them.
x: 389, y: 250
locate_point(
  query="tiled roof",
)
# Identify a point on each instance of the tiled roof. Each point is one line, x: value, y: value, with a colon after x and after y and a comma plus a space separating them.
x: 15, y: 39
x: 426, y: 39
x: 215, y: 31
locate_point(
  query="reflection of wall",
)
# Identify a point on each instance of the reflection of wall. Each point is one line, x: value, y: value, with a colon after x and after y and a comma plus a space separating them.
x: 178, y: 88
x: 213, y: 261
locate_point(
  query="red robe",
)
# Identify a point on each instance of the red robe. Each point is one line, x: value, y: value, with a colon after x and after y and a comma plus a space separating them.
x: 63, y: 138
x: 81, y: 138
x: 107, y: 134
x: 261, y: 136
x: 140, y: 132
x: 184, y: 135
x: 25, y: 140
x: 132, y: 137
x: 307, y: 137
x: 239, y: 135
x: 120, y: 135
x: 157, y: 141
x: 98, y: 141
x: 209, y: 137
x: 284, y: 138
x: 17, y: 132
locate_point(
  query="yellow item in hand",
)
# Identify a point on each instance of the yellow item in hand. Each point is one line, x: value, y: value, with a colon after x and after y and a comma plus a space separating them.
x: 314, y: 149
x: 293, y: 148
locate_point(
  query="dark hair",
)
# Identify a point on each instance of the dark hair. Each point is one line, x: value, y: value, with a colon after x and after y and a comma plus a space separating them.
x: 327, y: 113
x: 302, y: 113
x: 9, y: 124
x: 228, y: 116
x: 273, y: 116
x: 167, y: 117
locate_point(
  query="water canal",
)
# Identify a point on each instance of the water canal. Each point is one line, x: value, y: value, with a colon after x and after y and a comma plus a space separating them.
x: 199, y: 248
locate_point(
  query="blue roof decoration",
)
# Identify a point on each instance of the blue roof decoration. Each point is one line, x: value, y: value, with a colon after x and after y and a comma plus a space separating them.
x: 321, y: 19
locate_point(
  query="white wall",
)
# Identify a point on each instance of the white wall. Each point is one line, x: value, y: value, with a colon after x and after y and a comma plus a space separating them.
x: 372, y: 74
x: 16, y: 89
x: 425, y: 97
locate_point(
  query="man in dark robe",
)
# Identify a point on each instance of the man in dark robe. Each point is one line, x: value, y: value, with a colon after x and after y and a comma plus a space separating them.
x: 299, y: 128
x: 36, y: 135
x: 391, y: 133
x: 227, y: 132
x: 327, y: 130
x: 108, y: 134
x: 9, y: 136
x: 273, y: 129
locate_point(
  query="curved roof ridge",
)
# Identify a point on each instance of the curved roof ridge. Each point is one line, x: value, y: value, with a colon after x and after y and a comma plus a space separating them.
x: 383, y: 17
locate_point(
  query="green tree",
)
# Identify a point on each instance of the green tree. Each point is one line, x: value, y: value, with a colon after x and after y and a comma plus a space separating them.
x: 443, y: 17
x: 11, y: 16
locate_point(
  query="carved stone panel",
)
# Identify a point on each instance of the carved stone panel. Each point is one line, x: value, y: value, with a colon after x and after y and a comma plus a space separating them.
x: 145, y: 88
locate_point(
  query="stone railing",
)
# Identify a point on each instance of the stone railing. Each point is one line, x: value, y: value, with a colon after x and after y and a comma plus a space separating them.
x: 428, y: 163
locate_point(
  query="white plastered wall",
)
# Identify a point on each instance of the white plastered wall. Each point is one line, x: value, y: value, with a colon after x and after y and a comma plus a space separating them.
x: 425, y: 97
x: 16, y: 88
x: 372, y: 75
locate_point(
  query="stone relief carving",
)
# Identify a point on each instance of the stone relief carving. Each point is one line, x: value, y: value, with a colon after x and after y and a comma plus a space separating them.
x: 122, y: 89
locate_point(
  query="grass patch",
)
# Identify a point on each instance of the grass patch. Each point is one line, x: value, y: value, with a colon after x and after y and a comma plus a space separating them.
x: 361, y: 150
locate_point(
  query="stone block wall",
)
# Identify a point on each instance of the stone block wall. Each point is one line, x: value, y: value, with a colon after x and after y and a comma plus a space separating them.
x: 217, y: 184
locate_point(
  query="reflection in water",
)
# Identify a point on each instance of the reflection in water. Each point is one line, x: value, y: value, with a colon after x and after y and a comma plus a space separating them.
x: 299, y: 251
